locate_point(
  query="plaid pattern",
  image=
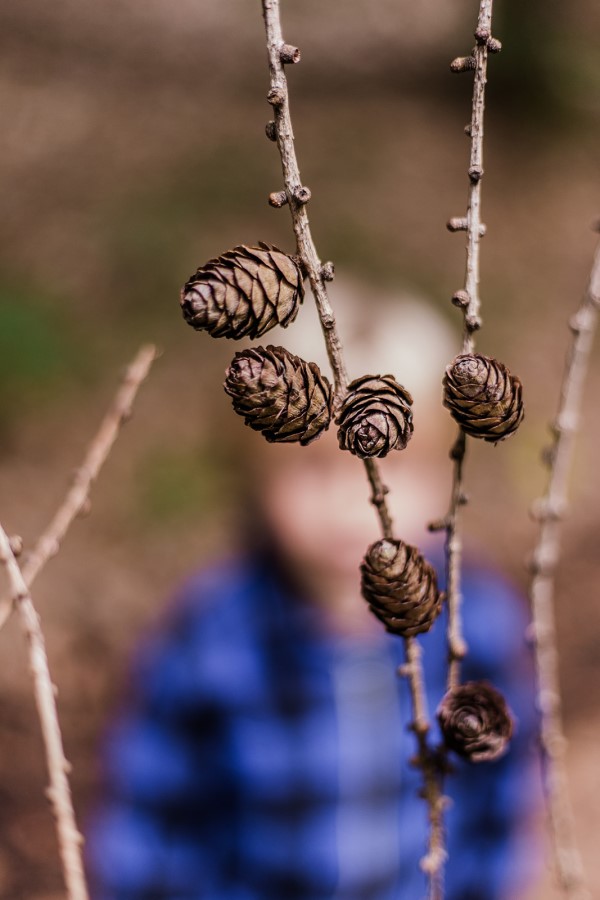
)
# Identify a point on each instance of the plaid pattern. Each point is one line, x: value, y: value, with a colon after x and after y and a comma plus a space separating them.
x: 260, y: 759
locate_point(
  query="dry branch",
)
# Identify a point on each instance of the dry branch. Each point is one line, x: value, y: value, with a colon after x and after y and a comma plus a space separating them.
x: 77, y: 497
x: 59, y: 794
x: 468, y: 300
x: 296, y: 196
x: 549, y: 511
x: 433, y: 863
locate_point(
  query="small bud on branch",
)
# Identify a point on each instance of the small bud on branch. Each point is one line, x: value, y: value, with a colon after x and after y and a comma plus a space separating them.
x: 463, y: 64
x: 277, y: 199
x: 289, y: 55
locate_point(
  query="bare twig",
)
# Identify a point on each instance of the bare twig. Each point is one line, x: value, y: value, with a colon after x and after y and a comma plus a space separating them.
x: 549, y: 511
x: 457, y: 647
x: 378, y: 494
x: 468, y: 300
x: 433, y: 863
x: 296, y: 197
x: 59, y: 794
x: 77, y: 497
x: 474, y: 227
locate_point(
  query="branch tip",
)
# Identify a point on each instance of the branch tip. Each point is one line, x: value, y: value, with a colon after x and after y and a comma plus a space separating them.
x: 302, y: 195
x: 437, y: 525
x: 289, y: 55
x: 457, y: 223
x: 277, y: 199
x: 463, y: 64
x: 460, y: 299
x: 276, y: 96
x: 327, y: 271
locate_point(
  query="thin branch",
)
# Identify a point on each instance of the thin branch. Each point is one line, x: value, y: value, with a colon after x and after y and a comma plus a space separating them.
x: 468, y: 300
x: 59, y: 794
x: 549, y: 511
x: 433, y: 863
x: 77, y: 498
x: 457, y: 647
x: 297, y: 196
x: 378, y: 494
x: 475, y: 228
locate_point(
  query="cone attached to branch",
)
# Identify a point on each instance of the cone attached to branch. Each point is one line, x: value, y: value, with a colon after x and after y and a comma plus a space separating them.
x: 375, y: 417
x: 244, y: 292
x: 483, y: 397
x: 279, y: 394
x: 400, y: 587
x: 475, y: 721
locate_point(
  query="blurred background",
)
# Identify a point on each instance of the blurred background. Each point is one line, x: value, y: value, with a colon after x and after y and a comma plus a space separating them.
x: 132, y: 150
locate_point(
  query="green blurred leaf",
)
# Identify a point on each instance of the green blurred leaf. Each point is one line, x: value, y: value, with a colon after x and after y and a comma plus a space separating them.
x: 175, y: 485
x: 38, y: 351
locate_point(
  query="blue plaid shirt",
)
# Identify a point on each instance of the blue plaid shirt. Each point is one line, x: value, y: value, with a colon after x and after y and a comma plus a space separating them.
x: 261, y: 759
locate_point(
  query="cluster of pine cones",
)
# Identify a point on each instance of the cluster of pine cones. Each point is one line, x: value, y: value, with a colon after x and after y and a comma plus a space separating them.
x: 249, y: 290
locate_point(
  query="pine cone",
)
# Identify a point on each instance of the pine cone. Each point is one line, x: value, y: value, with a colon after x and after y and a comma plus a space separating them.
x: 279, y: 394
x: 475, y: 721
x: 400, y: 587
x: 243, y: 293
x: 483, y: 397
x: 375, y: 417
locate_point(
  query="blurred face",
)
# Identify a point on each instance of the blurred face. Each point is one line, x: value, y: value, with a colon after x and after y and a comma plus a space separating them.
x: 317, y: 499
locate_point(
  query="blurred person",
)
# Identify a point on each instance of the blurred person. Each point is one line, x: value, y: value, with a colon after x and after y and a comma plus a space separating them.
x: 263, y: 751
